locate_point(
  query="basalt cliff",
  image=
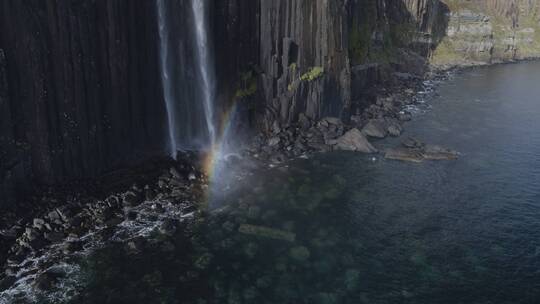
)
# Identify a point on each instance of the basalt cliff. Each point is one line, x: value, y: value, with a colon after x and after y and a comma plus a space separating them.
x: 81, y: 90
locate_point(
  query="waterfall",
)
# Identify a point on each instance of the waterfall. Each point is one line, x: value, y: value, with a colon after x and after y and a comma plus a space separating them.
x: 205, y: 64
x: 187, y: 72
x: 167, y: 92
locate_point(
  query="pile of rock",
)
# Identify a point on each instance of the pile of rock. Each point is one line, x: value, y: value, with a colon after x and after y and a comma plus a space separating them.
x: 413, y: 150
x: 382, y: 119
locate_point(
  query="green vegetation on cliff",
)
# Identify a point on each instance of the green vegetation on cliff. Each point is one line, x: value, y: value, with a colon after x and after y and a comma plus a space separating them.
x: 247, y: 85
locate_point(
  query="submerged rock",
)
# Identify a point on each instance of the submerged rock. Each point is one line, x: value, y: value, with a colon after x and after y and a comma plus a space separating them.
x: 404, y: 154
x: 300, y: 253
x: 354, y: 140
x: 267, y: 232
x: 413, y: 150
x: 434, y: 152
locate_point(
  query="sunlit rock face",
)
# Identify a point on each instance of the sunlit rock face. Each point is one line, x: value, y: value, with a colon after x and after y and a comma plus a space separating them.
x: 488, y: 31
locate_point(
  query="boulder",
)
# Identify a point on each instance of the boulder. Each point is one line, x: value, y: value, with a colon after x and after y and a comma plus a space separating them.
x: 434, y: 152
x: 404, y: 154
x: 414, y: 150
x: 304, y: 122
x: 54, y: 236
x: 394, y: 128
x: 375, y: 128
x: 354, y: 140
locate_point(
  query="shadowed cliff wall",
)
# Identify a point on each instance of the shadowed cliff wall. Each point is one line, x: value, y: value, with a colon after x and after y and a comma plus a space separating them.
x: 84, y: 88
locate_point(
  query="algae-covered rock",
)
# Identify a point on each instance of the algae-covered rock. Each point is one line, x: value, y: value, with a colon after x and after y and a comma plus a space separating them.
x: 204, y: 261
x: 251, y: 249
x: 325, y: 298
x: 352, y: 278
x: 267, y: 232
x: 254, y: 212
x: 404, y: 154
x: 300, y: 253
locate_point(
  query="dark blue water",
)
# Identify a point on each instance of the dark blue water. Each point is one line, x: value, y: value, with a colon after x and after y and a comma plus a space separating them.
x: 341, y: 228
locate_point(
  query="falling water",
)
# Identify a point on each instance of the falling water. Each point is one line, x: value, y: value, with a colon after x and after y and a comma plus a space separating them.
x: 167, y: 90
x: 187, y: 73
x: 205, y: 64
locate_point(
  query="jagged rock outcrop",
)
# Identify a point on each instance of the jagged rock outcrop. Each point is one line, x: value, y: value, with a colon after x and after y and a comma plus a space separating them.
x: 84, y: 88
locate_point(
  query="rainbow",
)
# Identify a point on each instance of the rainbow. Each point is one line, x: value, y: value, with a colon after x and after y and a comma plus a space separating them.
x: 213, y: 160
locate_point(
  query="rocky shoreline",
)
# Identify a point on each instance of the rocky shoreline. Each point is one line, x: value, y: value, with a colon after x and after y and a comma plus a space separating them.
x: 172, y: 193
x: 387, y: 116
x: 60, y: 228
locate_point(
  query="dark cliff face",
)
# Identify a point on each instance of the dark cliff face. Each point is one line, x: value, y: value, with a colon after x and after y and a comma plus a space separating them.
x: 317, y: 57
x: 84, y: 88
x: 81, y: 90
x: 83, y: 95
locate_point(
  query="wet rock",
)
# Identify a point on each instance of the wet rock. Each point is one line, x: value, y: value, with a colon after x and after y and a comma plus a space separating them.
x: 157, y: 207
x: 132, y: 199
x: 7, y: 282
x: 11, y: 233
x: 394, y: 128
x: 31, y: 233
x: 254, y: 212
x: 46, y: 281
x: 357, y: 121
x: 375, y: 128
x: 54, y: 216
x: 413, y: 150
x: 131, y: 215
x: 136, y: 245
x: 168, y: 227
x: 72, y: 247
x: 54, y: 236
x: 412, y: 142
x: 251, y: 250
x: 352, y: 278
x: 204, y: 261
x: 38, y: 223
x: 327, y: 121
x: 115, y: 221
x: 267, y: 232
x: 16, y: 259
x: 149, y: 193
x: 278, y: 158
x: 404, y: 154
x: 304, y: 122
x: 300, y: 253
x: 354, y: 140
x: 434, y: 152
x: 274, y: 141
x: 174, y: 173
x: 76, y: 221
x: 325, y: 298
x: 402, y: 116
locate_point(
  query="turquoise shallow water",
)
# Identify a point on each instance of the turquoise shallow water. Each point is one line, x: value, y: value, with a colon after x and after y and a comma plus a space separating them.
x: 342, y: 228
